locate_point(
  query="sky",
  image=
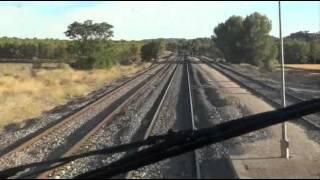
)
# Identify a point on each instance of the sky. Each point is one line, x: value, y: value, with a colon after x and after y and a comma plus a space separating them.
x: 149, y: 19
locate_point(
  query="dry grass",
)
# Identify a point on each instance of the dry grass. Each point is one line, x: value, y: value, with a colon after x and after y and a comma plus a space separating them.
x: 295, y: 66
x: 297, y: 75
x: 305, y: 66
x: 26, y: 93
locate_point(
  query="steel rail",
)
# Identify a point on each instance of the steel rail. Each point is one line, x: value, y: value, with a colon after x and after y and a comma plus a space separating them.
x: 196, y: 156
x: 80, y: 144
x: 155, y: 115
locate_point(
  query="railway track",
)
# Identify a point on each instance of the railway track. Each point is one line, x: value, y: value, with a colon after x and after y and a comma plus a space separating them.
x: 269, y: 93
x: 154, y: 117
x: 196, y: 156
x: 209, y: 111
x: 16, y: 140
x: 59, y: 137
x: 89, y: 140
x: 153, y: 128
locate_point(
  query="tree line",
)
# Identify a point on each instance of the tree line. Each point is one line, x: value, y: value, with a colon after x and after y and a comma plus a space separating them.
x: 90, y: 46
x: 238, y: 40
x: 93, y: 48
x: 247, y: 40
x: 29, y: 48
x: 302, y: 47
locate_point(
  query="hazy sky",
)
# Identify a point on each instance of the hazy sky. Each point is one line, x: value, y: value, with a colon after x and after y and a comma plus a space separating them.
x: 144, y: 20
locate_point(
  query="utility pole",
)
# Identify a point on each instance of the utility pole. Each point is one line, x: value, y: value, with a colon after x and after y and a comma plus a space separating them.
x: 285, y: 153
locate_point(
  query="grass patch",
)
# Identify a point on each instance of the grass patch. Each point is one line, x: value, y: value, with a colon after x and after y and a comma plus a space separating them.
x: 26, y: 93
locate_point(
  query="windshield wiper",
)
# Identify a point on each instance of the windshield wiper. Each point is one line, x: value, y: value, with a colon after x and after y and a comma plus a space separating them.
x: 176, y: 143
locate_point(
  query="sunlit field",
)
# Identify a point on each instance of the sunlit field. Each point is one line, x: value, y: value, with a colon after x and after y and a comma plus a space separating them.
x: 26, y: 93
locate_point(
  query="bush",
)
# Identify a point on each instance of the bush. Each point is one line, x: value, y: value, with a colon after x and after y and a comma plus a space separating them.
x: 124, y: 53
x: 84, y: 63
x: 270, y: 65
x: 151, y: 50
x: 246, y: 40
x: 134, y: 53
x: 296, y: 52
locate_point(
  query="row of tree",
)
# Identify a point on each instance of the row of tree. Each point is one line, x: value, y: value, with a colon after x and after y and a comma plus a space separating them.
x: 29, y: 48
x: 247, y: 40
x: 90, y: 47
x: 94, y: 49
x: 198, y: 46
x: 109, y: 54
x: 238, y: 40
x: 302, y: 47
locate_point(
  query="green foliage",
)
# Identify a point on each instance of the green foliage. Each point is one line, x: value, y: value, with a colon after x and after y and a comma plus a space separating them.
x: 89, y: 39
x: 88, y: 30
x: 315, y: 52
x: 304, y: 36
x: 205, y: 46
x: 134, y: 52
x: 152, y: 50
x: 228, y: 37
x: 105, y: 56
x: 91, y: 44
x: 84, y: 62
x: 28, y: 48
x: 147, y: 52
x: 246, y: 40
x: 172, y: 46
x: 124, y: 53
x: 296, y: 52
x: 269, y: 58
x: 302, y: 47
x: 257, y: 46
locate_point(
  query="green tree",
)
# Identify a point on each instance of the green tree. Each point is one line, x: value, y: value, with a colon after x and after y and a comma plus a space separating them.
x: 296, y: 52
x: 89, y: 31
x: 161, y: 47
x: 89, y: 34
x: 172, y: 46
x: 257, y: 47
x: 147, y: 52
x: 90, y: 38
x: 304, y: 36
x: 203, y: 46
x: 246, y: 40
x: 134, y: 52
x: 315, y: 52
x: 228, y: 36
x: 152, y: 50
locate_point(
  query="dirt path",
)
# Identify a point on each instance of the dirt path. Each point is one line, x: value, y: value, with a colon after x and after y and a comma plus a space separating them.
x: 261, y: 159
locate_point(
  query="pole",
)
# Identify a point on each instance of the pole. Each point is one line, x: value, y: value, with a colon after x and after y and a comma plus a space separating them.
x: 285, y: 153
